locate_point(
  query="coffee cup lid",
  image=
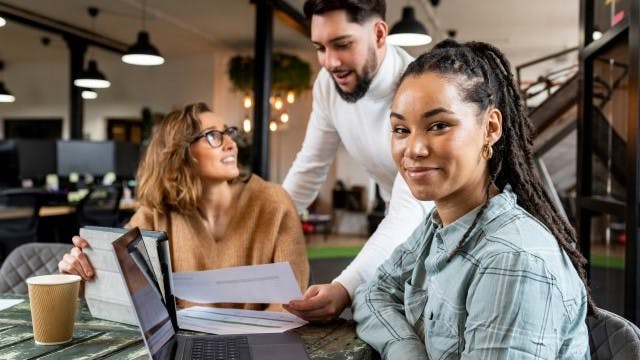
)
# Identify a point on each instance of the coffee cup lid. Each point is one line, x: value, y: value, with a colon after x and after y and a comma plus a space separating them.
x: 54, y: 279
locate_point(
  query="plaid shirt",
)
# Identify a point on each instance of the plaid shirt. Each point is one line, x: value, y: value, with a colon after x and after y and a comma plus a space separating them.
x: 510, y: 293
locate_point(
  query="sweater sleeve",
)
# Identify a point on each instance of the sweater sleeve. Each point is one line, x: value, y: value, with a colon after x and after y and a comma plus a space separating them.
x: 311, y: 165
x: 405, y: 214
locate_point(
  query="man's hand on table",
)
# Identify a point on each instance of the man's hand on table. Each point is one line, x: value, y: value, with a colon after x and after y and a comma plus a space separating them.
x: 76, y: 262
x: 320, y: 302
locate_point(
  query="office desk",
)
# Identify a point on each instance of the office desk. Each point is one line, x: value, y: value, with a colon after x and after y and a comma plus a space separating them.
x: 59, y: 210
x: 45, y: 211
x: 94, y: 338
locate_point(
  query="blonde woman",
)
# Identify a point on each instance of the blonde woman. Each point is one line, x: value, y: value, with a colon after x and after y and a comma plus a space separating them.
x: 189, y: 187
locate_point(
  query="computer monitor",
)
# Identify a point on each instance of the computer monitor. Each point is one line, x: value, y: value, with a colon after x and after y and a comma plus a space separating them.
x: 37, y: 158
x: 127, y: 159
x: 85, y: 157
x: 10, y: 174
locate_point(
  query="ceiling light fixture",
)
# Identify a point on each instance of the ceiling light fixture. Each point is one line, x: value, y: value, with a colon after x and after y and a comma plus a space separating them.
x: 3, y: 22
x: 5, y: 95
x: 408, y: 31
x: 88, y: 94
x: 143, y: 52
x: 91, y: 77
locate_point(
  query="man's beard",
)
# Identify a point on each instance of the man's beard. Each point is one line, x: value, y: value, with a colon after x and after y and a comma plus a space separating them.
x: 362, y: 82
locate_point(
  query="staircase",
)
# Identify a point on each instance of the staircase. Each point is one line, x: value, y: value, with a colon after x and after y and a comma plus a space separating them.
x: 555, y: 121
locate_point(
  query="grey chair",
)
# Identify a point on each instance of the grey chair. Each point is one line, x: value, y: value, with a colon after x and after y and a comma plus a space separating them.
x: 29, y: 260
x: 612, y: 337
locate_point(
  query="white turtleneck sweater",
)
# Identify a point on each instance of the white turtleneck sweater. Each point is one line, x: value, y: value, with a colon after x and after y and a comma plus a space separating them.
x: 364, y: 129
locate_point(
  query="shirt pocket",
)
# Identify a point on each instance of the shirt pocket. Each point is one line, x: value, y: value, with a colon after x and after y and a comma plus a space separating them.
x: 415, y: 299
x: 442, y: 334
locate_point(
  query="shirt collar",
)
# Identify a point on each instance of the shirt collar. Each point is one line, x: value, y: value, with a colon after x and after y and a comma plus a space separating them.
x: 380, y: 86
x: 451, y: 234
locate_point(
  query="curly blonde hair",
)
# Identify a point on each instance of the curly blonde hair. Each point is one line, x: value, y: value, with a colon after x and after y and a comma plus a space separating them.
x: 167, y: 175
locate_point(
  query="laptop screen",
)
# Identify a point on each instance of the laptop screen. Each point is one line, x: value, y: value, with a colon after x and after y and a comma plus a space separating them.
x: 155, y: 323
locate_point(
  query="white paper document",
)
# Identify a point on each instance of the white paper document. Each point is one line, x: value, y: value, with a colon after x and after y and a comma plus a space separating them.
x: 262, y: 284
x: 7, y: 303
x: 234, y: 321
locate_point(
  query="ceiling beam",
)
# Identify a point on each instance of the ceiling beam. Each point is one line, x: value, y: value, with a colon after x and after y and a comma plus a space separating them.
x: 289, y: 16
x: 29, y: 18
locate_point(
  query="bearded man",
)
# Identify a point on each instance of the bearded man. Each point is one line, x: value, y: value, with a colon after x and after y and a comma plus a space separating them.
x: 351, y: 104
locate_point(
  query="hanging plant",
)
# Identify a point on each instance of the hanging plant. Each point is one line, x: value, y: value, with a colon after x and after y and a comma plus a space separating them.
x: 240, y: 72
x: 289, y: 72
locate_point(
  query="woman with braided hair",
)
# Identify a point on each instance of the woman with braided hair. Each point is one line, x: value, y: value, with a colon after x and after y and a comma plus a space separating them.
x: 493, y: 272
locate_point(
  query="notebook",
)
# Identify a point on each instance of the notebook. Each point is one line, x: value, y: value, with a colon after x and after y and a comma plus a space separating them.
x: 160, y: 333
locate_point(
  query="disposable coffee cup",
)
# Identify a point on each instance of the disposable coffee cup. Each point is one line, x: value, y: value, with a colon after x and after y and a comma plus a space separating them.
x: 54, y: 299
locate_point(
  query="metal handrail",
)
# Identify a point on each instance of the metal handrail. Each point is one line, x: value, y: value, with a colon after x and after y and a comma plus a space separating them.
x: 539, y: 60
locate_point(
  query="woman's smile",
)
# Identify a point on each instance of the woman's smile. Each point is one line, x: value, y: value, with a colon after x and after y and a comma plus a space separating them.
x: 229, y: 160
x: 421, y: 172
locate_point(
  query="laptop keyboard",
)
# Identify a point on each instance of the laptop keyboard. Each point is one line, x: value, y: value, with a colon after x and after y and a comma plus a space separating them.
x: 221, y: 348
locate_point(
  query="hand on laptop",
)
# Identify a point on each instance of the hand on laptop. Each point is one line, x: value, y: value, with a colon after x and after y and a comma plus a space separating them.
x: 320, y: 302
x: 75, y: 261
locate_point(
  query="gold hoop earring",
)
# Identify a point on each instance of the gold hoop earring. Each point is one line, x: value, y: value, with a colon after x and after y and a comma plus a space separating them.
x: 487, y: 151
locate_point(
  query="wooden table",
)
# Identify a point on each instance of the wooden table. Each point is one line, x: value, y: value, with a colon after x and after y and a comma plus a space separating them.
x: 58, y: 210
x: 95, y: 338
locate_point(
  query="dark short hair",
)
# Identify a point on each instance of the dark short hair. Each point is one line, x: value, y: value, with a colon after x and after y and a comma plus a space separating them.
x: 358, y: 10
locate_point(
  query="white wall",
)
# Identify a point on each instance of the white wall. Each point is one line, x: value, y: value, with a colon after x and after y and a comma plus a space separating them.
x: 41, y: 89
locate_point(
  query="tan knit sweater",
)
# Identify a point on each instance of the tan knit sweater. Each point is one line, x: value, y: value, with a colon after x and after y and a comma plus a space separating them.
x: 263, y: 228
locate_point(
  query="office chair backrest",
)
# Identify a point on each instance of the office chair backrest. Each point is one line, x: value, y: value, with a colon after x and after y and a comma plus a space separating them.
x: 612, y: 337
x: 101, y: 206
x: 19, y: 217
x: 29, y: 260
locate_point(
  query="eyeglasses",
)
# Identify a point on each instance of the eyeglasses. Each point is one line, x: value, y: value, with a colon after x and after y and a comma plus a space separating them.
x: 214, y: 137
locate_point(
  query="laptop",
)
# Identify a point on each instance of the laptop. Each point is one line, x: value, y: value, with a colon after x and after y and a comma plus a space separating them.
x: 160, y: 334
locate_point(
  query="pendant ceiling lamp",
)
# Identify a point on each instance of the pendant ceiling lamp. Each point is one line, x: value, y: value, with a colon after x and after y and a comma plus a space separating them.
x: 143, y: 52
x: 5, y: 95
x: 3, y: 22
x: 89, y: 94
x: 408, y: 31
x: 91, y: 77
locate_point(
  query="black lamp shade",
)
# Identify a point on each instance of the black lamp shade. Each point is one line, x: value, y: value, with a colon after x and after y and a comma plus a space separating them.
x: 408, y: 31
x: 92, y: 78
x: 143, y: 52
x: 5, y: 95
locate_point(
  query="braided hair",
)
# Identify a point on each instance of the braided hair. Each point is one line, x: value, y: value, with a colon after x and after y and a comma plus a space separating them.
x: 488, y: 82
